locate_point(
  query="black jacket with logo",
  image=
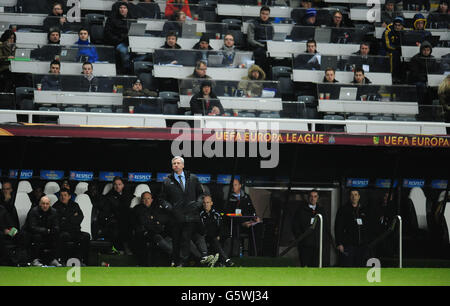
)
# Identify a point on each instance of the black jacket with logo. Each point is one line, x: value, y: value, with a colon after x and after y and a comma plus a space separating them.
x: 212, y: 223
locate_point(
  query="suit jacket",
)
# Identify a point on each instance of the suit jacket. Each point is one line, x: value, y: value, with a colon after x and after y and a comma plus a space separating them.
x: 184, y: 205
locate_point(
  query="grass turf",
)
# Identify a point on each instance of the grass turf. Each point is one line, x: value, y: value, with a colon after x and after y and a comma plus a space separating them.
x: 240, y: 276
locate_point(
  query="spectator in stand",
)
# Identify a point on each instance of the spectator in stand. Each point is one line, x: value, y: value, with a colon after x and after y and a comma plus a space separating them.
x: 56, y: 19
x: 70, y: 217
x: 306, y: 4
x: 416, y: 5
x: 149, y: 9
x: 420, y: 66
x: 43, y: 227
x: 52, y: 81
x: 337, y: 20
x: 440, y: 18
x: 419, y: 25
x: 116, y: 34
x: 259, y: 31
x: 174, y: 6
x: 330, y: 76
x: 249, y: 84
x: 138, y: 91
x: 228, y: 50
x: 133, y: 10
x: 206, y: 102
x: 310, y: 59
x: 310, y: 18
x: 197, y: 77
x: 391, y: 46
x: 389, y: 13
x: 7, y: 52
x: 174, y: 25
x: 359, y: 77
x: 200, y: 71
x: 86, y: 51
x: 203, y: 48
x: 52, y: 50
x: 168, y: 57
x: 444, y: 98
x: 88, y: 82
x: 362, y: 58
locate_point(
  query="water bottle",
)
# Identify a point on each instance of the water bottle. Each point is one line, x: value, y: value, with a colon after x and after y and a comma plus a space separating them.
x: 240, y: 251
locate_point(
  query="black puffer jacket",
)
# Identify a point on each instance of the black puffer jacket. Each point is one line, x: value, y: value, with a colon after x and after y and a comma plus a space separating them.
x: 40, y: 222
x: 420, y: 65
x: 5, y: 220
x: 70, y: 216
x: 116, y: 29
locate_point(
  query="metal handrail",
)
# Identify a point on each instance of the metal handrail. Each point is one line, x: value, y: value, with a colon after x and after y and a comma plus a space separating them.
x: 400, y: 245
x: 313, y: 122
x: 319, y: 216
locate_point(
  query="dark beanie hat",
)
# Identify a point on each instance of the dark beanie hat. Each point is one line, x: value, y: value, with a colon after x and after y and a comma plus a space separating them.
x: 204, y: 38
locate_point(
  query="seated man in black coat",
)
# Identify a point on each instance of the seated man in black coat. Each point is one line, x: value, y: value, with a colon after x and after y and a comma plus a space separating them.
x: 206, y: 102
x: 70, y: 217
x: 56, y: 19
x: 52, y: 50
x: 53, y: 80
x: 422, y: 64
x: 43, y: 227
x: 150, y: 226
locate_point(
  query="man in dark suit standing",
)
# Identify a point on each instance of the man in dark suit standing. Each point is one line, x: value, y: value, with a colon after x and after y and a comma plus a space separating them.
x: 181, y: 194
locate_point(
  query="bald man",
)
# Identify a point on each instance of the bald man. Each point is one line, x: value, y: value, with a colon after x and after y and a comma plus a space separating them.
x: 43, y: 227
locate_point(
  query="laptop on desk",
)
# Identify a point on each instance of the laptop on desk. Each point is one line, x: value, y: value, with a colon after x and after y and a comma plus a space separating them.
x: 215, y: 60
x: 348, y: 93
x: 322, y: 35
x: 4, y: 26
x: 279, y: 36
x: 22, y: 54
x: 328, y: 61
x: 69, y: 55
x: 242, y: 58
x: 189, y: 30
x: 137, y: 29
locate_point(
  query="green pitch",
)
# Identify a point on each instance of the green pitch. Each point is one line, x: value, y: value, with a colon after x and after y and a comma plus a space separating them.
x: 239, y: 276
